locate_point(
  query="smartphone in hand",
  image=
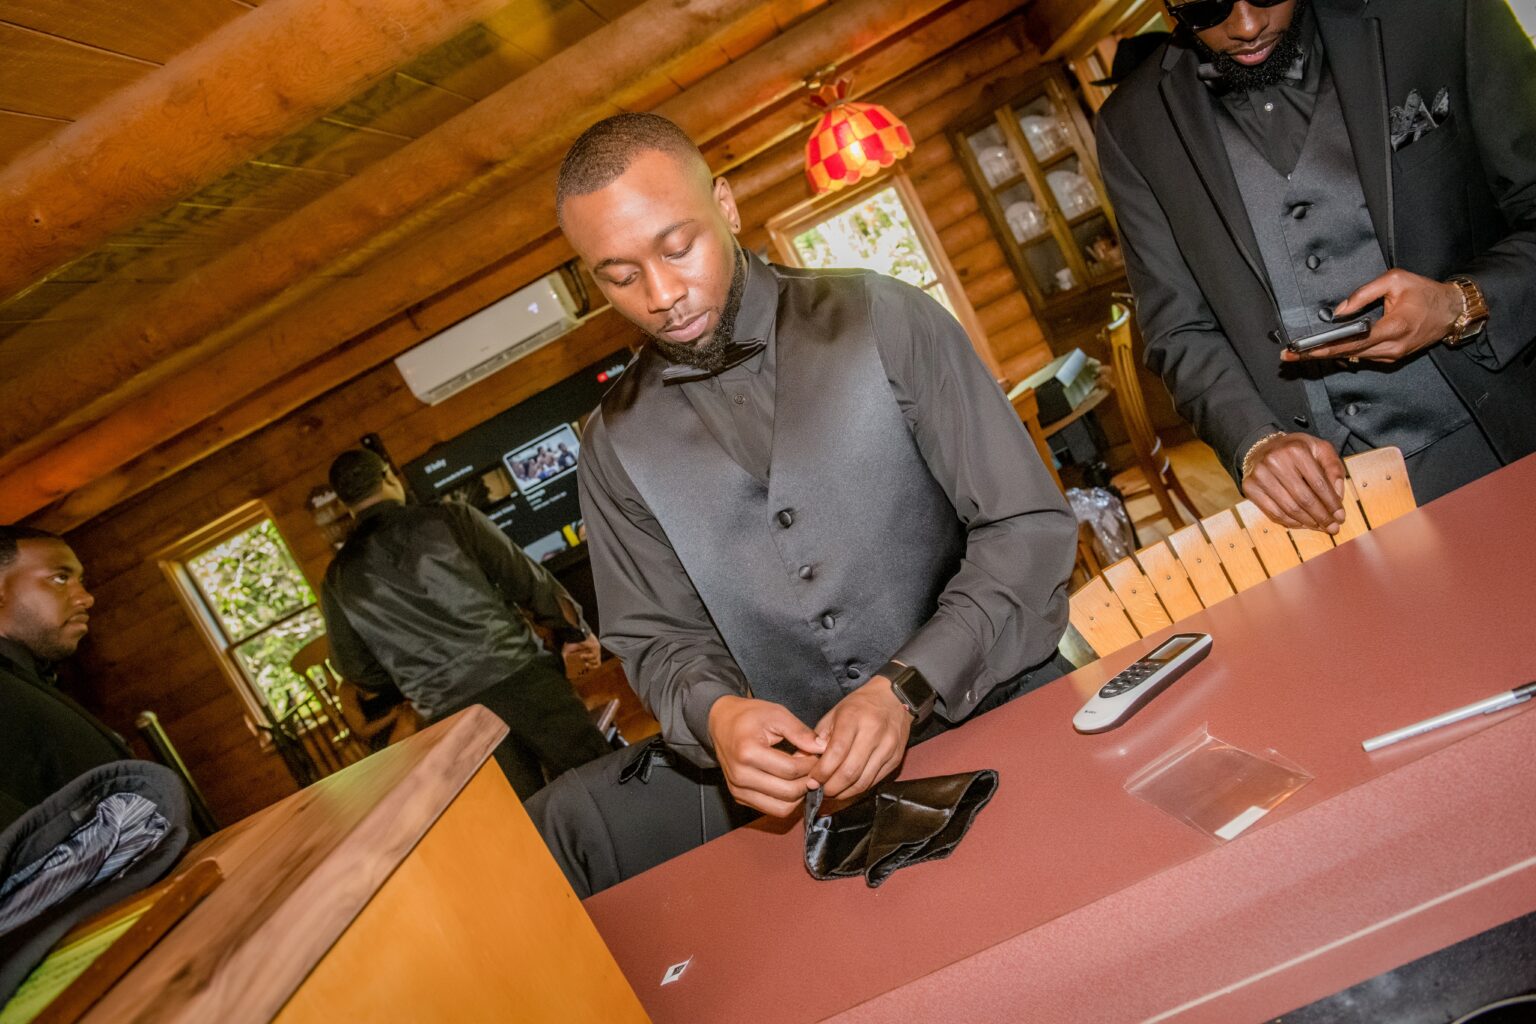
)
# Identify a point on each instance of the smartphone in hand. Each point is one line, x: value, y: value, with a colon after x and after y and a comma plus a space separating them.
x: 1335, y: 332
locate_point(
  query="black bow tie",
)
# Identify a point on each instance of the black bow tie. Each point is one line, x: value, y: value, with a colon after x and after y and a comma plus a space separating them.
x: 734, y: 354
x: 1209, y: 72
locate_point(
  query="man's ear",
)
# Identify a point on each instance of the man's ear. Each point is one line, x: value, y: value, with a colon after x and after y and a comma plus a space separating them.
x: 726, y: 200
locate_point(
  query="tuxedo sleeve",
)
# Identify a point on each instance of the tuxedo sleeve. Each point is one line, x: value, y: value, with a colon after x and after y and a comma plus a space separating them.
x: 648, y: 610
x: 1501, y: 98
x: 1184, y: 343
x: 1005, y: 609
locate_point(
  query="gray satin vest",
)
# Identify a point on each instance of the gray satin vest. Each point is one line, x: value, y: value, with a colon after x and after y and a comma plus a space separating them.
x: 815, y: 580
x: 1318, y: 245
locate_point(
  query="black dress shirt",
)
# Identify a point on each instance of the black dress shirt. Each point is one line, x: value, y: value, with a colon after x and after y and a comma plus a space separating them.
x: 1015, y: 567
x: 425, y: 599
x: 46, y: 739
x: 1276, y: 119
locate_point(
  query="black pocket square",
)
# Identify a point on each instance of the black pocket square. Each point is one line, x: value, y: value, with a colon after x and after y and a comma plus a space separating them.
x: 1415, y: 118
x: 897, y: 825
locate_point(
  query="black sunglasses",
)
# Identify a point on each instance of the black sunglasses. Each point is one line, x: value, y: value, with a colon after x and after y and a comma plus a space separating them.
x: 1199, y: 15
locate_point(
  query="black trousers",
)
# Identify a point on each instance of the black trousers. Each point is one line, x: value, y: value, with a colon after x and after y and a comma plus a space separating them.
x: 627, y: 812
x: 550, y: 730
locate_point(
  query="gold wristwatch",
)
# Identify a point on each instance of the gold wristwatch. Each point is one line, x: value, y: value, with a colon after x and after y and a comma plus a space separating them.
x: 1474, y: 311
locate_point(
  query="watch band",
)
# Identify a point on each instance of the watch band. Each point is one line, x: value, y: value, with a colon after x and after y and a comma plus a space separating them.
x: 912, y: 688
x: 1474, y: 311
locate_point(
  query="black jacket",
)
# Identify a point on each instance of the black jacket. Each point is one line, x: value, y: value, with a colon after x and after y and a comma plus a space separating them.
x: 46, y: 739
x: 426, y: 599
x: 1459, y: 200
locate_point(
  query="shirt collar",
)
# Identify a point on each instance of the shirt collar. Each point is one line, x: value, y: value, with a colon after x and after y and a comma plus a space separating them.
x: 23, y: 658
x: 375, y: 510
x: 759, y: 310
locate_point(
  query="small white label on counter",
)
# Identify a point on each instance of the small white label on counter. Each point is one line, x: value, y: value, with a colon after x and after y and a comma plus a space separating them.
x: 676, y: 971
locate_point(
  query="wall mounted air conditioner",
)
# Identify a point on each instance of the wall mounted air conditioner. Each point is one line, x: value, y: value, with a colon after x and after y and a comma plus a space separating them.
x: 481, y: 344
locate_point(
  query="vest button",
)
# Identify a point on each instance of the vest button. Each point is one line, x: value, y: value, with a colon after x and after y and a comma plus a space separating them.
x: 806, y: 572
x: 1325, y: 313
x: 853, y: 671
x: 1313, y: 262
x: 827, y: 621
x: 786, y: 518
x: 1299, y: 210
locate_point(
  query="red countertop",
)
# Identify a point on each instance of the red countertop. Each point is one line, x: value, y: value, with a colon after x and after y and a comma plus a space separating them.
x: 1071, y: 900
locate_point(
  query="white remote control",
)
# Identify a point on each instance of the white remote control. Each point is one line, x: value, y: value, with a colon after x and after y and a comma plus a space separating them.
x: 1123, y: 696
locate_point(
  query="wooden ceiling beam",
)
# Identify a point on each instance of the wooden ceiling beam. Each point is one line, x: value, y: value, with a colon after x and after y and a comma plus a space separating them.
x: 306, y: 330
x: 752, y: 182
x: 525, y: 125
x: 210, y: 108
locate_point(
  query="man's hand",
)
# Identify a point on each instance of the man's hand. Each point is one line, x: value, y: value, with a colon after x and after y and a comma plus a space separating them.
x: 866, y: 736
x: 744, y: 733
x: 581, y: 656
x: 1297, y: 480
x: 1416, y: 313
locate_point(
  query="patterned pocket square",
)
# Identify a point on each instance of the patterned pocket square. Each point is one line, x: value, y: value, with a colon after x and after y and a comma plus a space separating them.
x: 1415, y: 118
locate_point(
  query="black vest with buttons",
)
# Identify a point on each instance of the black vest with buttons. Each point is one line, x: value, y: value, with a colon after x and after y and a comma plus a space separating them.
x: 1318, y: 244
x: 815, y: 579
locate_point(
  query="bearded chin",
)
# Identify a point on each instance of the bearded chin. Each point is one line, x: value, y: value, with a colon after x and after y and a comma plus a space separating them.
x: 1242, y: 78
x: 710, y: 355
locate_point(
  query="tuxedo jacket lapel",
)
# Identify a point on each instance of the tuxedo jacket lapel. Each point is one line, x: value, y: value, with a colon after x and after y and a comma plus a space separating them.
x: 1353, y: 45
x: 1194, y: 118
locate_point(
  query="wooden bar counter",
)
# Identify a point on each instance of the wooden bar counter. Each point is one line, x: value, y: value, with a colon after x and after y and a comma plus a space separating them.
x: 1073, y: 901
x: 409, y: 887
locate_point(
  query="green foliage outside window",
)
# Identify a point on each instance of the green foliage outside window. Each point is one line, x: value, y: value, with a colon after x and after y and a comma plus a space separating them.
x: 266, y: 609
x: 875, y: 234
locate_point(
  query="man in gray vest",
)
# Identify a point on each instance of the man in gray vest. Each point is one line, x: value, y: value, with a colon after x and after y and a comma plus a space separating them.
x: 818, y: 529
x: 1284, y: 165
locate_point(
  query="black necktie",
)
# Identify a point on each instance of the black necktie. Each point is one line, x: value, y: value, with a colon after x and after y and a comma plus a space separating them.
x: 734, y: 354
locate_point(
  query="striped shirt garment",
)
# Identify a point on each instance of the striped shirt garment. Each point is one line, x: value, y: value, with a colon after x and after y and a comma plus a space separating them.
x: 124, y: 828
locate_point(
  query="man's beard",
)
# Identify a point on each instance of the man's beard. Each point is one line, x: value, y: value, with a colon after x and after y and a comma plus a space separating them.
x: 47, y: 643
x: 710, y: 355
x: 1242, y: 77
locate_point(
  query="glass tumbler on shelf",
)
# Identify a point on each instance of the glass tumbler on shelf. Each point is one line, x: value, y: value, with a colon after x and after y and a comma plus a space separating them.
x: 997, y: 164
x: 1046, y: 136
x: 1025, y: 221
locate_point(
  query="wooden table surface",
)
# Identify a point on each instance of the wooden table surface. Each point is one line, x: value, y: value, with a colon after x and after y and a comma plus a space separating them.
x: 1073, y: 901
x: 296, y: 875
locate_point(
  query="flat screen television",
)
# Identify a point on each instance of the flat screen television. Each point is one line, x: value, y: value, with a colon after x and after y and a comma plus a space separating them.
x: 519, y: 466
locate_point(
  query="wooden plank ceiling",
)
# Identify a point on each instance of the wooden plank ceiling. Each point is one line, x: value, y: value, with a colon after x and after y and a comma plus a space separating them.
x: 214, y: 200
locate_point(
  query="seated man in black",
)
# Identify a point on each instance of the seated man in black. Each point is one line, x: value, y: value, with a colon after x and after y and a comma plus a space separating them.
x: 46, y: 739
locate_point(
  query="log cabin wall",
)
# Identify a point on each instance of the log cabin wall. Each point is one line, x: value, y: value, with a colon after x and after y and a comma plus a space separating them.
x: 144, y: 653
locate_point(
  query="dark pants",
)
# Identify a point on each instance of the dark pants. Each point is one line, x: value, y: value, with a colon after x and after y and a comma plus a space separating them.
x: 1456, y: 459
x: 610, y: 820
x: 550, y: 729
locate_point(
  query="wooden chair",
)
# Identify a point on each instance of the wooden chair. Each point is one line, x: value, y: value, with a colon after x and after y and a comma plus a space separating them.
x: 1153, y: 468
x: 327, y: 726
x: 1027, y: 405
x: 1225, y: 553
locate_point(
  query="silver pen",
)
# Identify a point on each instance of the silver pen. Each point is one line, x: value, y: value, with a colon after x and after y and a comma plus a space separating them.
x: 1498, y: 702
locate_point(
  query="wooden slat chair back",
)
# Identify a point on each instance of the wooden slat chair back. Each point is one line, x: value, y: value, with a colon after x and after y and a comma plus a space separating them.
x: 1027, y: 405
x: 1161, y: 480
x: 323, y: 731
x: 1226, y: 553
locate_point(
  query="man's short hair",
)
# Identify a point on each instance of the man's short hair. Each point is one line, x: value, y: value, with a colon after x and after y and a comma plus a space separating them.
x: 11, y: 536
x: 605, y: 150
x: 357, y: 475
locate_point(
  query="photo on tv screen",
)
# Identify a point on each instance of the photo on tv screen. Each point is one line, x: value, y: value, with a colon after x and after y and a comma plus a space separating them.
x: 519, y: 466
x: 544, y: 459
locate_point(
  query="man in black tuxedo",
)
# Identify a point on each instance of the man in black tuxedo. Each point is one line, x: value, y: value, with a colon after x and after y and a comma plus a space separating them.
x: 46, y: 739
x: 1285, y: 164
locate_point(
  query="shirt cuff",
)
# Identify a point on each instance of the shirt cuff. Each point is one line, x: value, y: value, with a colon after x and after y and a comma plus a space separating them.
x: 701, y: 696
x: 948, y: 658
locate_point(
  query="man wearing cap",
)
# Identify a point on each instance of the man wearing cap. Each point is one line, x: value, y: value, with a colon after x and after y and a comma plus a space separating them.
x: 429, y: 601
x: 46, y: 739
x: 1286, y: 165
